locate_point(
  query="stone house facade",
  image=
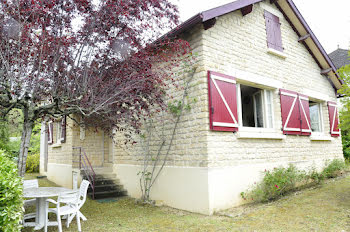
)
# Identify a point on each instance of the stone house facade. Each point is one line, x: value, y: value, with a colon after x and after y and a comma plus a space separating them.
x: 266, y: 93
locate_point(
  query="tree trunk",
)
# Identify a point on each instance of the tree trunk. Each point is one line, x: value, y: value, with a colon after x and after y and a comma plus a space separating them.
x: 25, y: 143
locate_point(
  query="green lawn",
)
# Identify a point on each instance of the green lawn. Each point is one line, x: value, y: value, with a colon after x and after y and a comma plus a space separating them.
x: 325, y: 208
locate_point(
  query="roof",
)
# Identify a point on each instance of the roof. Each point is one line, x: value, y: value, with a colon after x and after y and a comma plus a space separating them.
x: 292, y: 15
x: 340, y: 57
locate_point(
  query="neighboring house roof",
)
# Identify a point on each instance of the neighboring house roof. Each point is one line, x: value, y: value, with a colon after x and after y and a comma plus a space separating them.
x: 292, y: 15
x: 340, y: 57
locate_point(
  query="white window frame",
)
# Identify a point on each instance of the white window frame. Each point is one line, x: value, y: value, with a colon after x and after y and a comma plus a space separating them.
x: 50, y: 132
x: 320, y: 136
x: 267, y: 127
x: 59, y: 132
x: 321, y: 132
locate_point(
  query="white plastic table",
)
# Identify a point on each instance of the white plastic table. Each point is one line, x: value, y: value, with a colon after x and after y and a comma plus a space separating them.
x: 41, y: 194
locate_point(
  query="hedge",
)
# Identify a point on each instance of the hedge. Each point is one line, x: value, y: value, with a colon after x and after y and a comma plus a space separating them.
x: 11, y: 202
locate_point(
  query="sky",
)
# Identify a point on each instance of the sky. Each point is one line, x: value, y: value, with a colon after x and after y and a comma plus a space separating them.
x: 328, y: 19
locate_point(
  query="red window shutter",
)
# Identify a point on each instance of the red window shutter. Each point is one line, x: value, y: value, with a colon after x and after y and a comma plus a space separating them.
x: 290, y: 112
x: 63, y: 129
x: 333, y: 119
x: 222, y: 102
x: 273, y: 31
x: 50, y: 133
x: 304, y: 114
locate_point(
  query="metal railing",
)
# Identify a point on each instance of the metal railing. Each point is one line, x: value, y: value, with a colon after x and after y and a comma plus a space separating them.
x: 85, y: 166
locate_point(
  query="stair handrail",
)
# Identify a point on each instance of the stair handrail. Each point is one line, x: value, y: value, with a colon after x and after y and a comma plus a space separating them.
x: 85, y: 165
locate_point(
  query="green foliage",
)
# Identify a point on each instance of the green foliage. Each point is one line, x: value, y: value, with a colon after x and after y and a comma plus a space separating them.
x: 344, y: 115
x: 176, y: 107
x: 275, y: 184
x: 346, y: 144
x: 35, y: 139
x: 4, y: 135
x: 13, y: 147
x: 15, y: 120
x: 280, y: 181
x: 10, y: 135
x: 11, y: 203
x: 315, y: 176
x: 33, y: 161
x: 334, y: 168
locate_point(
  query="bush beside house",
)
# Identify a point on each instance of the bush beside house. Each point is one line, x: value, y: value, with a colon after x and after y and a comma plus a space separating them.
x: 281, y: 181
x: 11, y: 203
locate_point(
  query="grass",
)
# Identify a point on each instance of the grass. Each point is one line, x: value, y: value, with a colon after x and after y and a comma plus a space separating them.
x: 323, y: 208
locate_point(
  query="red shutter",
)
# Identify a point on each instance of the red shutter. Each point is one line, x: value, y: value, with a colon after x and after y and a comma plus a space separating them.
x: 273, y: 31
x: 333, y: 119
x: 222, y: 102
x: 50, y: 133
x: 63, y: 129
x: 304, y: 114
x: 290, y: 112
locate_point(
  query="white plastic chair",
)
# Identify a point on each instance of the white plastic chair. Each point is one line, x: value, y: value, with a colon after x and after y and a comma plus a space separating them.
x: 71, y: 207
x: 30, y: 184
x: 73, y: 202
x: 82, y: 198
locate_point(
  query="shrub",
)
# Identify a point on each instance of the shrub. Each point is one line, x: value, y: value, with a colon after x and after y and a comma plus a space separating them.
x: 315, y: 177
x: 281, y: 180
x: 275, y: 183
x: 33, y: 162
x: 334, y: 168
x: 11, y: 203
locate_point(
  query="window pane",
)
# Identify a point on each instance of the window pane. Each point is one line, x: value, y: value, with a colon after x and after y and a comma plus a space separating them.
x: 269, y: 109
x: 248, y: 116
x: 259, y: 110
x: 59, y: 131
x: 315, y: 117
x: 256, y: 106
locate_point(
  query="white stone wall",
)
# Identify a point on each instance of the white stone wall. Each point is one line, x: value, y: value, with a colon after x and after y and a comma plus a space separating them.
x: 189, y: 148
x: 239, y: 43
x: 237, y: 46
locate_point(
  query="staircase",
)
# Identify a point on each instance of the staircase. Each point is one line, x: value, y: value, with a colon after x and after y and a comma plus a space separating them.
x: 107, y: 185
x: 103, y: 182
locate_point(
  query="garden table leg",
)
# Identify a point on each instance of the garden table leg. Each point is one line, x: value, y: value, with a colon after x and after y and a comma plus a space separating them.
x: 41, y: 213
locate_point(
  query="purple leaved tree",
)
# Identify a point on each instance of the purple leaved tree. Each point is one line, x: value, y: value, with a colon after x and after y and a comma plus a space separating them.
x: 93, y: 58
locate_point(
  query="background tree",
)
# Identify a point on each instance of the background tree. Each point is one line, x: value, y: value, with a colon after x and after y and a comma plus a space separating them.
x: 345, y: 109
x: 4, y: 134
x: 94, y: 58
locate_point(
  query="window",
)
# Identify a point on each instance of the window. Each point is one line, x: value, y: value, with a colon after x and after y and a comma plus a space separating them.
x: 59, y: 132
x: 273, y: 32
x: 50, y: 133
x: 315, y: 116
x: 256, y: 107
x: 233, y: 105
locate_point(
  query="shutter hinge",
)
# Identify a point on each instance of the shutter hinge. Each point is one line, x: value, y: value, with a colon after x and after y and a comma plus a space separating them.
x: 212, y: 110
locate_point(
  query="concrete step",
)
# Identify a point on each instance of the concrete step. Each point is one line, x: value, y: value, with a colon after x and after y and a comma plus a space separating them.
x: 107, y: 165
x: 102, y: 170
x: 107, y: 187
x: 99, y: 175
x: 108, y: 194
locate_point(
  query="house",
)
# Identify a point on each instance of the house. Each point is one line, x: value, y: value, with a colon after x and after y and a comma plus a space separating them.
x: 266, y: 95
x: 340, y: 57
